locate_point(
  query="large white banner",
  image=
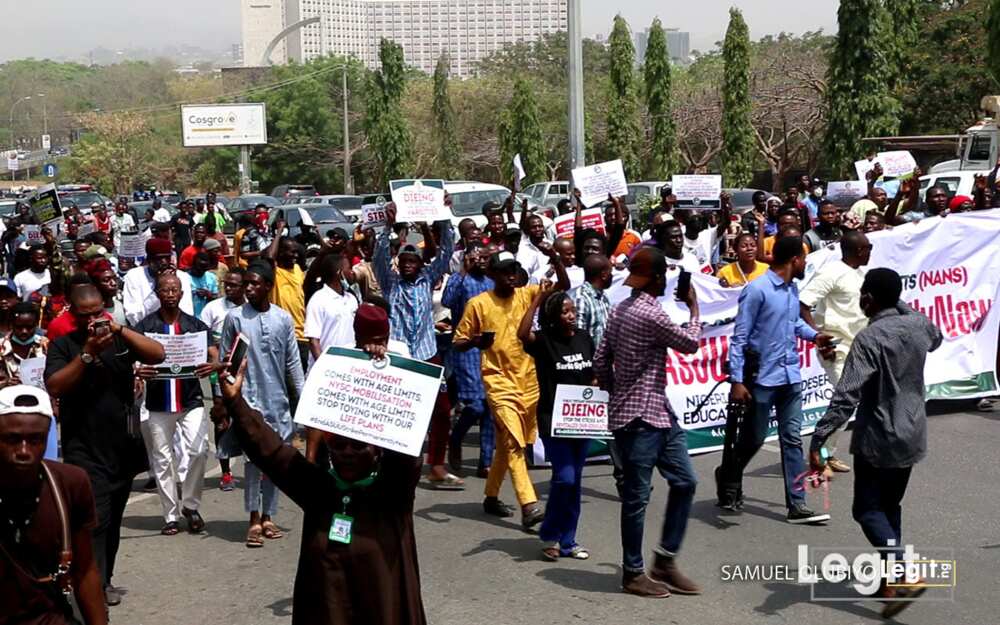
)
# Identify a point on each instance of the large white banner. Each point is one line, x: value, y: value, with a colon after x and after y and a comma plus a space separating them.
x: 951, y: 272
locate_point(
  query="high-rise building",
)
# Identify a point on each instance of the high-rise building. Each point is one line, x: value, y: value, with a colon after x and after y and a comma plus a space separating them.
x: 260, y: 23
x: 467, y: 30
x: 678, y: 46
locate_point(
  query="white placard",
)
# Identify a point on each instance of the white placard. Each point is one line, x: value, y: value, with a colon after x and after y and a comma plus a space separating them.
x: 224, y: 124
x: 697, y: 191
x: 419, y: 200
x: 12, y: 164
x: 386, y: 403
x: 184, y: 353
x: 34, y: 234
x: 32, y: 372
x: 131, y: 245
x: 862, y: 167
x: 565, y: 224
x: 580, y: 412
x: 846, y: 192
x: 373, y: 214
x: 896, y: 164
x: 596, y: 182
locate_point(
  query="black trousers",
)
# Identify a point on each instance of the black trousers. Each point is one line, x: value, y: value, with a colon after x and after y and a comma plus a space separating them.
x: 878, y: 493
x: 729, y: 475
x: 110, y: 501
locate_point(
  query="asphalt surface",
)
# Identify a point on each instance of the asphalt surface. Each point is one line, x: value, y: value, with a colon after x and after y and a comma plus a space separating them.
x: 481, y: 570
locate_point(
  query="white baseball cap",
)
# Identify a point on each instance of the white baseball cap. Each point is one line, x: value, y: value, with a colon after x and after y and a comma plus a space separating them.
x: 24, y: 399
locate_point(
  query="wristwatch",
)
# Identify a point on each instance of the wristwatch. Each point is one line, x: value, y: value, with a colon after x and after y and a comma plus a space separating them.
x: 88, y: 359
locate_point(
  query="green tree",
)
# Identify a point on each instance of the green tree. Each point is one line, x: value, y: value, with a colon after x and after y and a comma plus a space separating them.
x: 859, y: 73
x: 624, y: 138
x: 389, y: 134
x: 737, y: 131
x: 993, y: 37
x: 656, y: 76
x: 448, y: 157
x: 520, y: 133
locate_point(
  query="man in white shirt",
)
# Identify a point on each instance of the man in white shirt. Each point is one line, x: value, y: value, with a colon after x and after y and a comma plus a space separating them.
x: 830, y: 303
x: 36, y: 276
x: 529, y: 253
x: 214, y: 313
x: 160, y: 213
x: 121, y: 221
x: 330, y: 311
x: 671, y: 241
x: 138, y: 293
x: 567, y: 253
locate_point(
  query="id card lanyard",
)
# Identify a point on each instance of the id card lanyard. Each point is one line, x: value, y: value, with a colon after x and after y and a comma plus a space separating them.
x: 341, y: 525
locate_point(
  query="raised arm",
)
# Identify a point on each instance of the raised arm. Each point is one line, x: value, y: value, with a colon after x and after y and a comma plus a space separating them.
x: 524, y: 332
x: 616, y: 229
x: 439, y: 266
x: 381, y: 263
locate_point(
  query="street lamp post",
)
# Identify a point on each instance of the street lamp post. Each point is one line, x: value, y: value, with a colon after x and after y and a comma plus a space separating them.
x: 45, y: 115
x: 576, y: 131
x: 348, y: 181
x: 13, y: 135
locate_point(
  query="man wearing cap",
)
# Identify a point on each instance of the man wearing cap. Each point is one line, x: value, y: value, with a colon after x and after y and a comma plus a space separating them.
x: 90, y: 371
x: 489, y: 324
x: 409, y: 291
x: 31, y: 526
x: 629, y: 365
x: 218, y: 265
x: 139, y: 287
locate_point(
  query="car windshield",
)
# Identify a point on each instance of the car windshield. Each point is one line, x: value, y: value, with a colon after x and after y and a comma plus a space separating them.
x: 345, y: 203
x: 251, y: 201
x: 325, y: 213
x: 466, y: 203
x: 82, y: 199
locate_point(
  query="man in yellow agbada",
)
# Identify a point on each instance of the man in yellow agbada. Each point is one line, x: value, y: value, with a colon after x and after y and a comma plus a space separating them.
x: 490, y: 324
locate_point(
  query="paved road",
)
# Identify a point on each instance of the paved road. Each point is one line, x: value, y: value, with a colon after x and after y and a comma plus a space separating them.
x: 478, y: 570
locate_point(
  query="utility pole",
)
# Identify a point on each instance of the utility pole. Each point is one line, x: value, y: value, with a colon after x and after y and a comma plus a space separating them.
x: 348, y: 181
x: 576, y: 131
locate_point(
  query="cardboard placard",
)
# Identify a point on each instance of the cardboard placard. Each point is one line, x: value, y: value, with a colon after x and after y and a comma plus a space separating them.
x: 597, y: 181
x: 419, y: 200
x: 592, y: 218
x: 580, y: 412
x: 697, y: 191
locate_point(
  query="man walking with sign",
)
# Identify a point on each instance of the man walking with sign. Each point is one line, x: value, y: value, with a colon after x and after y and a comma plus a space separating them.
x: 176, y: 405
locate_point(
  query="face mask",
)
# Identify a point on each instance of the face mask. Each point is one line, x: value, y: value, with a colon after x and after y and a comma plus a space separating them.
x: 818, y: 192
x: 29, y: 341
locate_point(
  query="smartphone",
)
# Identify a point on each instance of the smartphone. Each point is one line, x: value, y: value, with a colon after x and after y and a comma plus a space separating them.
x: 236, y: 357
x: 101, y: 327
x: 683, y: 285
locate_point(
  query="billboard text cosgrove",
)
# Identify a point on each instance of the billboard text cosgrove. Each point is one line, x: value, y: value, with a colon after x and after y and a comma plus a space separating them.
x: 224, y: 124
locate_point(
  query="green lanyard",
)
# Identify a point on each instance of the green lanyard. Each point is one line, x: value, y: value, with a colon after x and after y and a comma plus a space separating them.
x: 341, y: 524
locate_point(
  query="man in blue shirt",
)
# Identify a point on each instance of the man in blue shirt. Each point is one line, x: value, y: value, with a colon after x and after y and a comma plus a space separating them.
x: 767, y: 325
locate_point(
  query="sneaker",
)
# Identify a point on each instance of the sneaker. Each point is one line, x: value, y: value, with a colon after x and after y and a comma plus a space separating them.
x: 227, y: 483
x: 640, y: 584
x: 838, y: 465
x: 666, y: 572
x: 800, y: 514
x: 492, y: 505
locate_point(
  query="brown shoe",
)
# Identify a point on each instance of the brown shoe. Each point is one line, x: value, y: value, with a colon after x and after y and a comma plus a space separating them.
x: 665, y: 570
x: 838, y: 465
x: 640, y: 584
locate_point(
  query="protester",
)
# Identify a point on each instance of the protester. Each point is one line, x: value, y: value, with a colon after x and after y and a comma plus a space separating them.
x: 36, y: 276
x: 42, y: 503
x: 247, y: 242
x: 702, y: 240
x: 465, y: 364
x: 288, y: 286
x: 828, y: 228
x: 883, y: 386
x: 767, y: 325
x: 669, y: 238
x: 160, y: 213
x: 372, y: 575
x: 176, y: 407
x: 180, y: 226
x: 629, y: 365
x: 198, y: 236
x: 830, y: 304
x: 90, y: 371
x: 138, y: 292
x: 591, y: 303
x: 746, y: 268
x: 409, y: 290
x: 531, y: 253
x: 330, y: 312
x: 204, y: 284
x: 21, y: 343
x: 563, y: 354
x: 566, y: 250
x: 274, y: 372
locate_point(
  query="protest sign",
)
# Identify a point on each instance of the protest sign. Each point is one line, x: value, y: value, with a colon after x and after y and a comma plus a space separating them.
x: 580, y: 412
x: 184, y: 353
x: 596, y: 182
x: 950, y: 272
x: 386, y: 402
x: 564, y: 224
x: 897, y: 164
x: 32, y: 372
x: 373, y: 212
x: 131, y: 245
x: 845, y: 193
x: 862, y: 168
x: 419, y: 200
x: 45, y: 207
x: 694, y: 191
x: 33, y: 233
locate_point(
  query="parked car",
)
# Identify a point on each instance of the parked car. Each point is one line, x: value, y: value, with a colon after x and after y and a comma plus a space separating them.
x: 173, y: 197
x: 250, y: 202
x: 547, y: 194
x: 349, y: 205
x: 138, y: 209
x: 324, y: 218
x: 957, y: 182
x: 288, y: 190
x: 468, y: 198
x: 743, y: 199
x: 82, y: 199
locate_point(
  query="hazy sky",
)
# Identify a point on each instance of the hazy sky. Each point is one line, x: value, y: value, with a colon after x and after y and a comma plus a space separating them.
x: 52, y: 28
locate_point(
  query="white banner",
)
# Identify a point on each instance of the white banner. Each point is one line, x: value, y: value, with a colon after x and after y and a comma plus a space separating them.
x: 419, y: 200
x: 385, y: 403
x: 596, y: 182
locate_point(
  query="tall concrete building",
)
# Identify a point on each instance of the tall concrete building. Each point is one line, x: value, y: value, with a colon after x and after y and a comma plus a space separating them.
x: 260, y: 22
x: 678, y: 46
x: 468, y: 30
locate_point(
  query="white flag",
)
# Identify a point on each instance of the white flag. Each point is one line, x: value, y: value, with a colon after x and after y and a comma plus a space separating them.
x: 518, y: 171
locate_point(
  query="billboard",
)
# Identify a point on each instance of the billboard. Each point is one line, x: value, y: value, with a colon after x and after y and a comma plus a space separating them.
x: 223, y: 124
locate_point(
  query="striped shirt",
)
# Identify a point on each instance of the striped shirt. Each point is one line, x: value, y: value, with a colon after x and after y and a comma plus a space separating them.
x: 411, y: 304
x: 631, y: 360
x: 177, y: 394
x: 592, y: 309
x: 466, y: 365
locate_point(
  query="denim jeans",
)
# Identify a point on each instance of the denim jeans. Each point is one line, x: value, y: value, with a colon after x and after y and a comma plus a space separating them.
x: 475, y: 411
x: 641, y: 448
x: 877, y: 495
x: 787, y: 402
x: 562, y: 511
x: 259, y: 493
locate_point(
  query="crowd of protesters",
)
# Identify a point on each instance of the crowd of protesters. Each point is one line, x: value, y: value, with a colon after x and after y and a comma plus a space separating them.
x: 510, y: 311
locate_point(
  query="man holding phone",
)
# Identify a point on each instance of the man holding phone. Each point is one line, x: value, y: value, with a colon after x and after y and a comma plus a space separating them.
x: 90, y: 370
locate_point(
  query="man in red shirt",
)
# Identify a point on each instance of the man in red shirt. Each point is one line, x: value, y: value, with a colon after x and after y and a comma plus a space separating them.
x: 198, y: 235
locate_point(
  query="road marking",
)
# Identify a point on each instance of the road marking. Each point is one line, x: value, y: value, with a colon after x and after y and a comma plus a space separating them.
x: 136, y: 498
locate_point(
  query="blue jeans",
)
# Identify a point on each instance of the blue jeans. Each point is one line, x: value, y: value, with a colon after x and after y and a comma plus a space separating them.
x: 787, y: 403
x: 259, y: 493
x: 642, y: 447
x: 475, y: 411
x: 562, y: 511
x: 877, y: 495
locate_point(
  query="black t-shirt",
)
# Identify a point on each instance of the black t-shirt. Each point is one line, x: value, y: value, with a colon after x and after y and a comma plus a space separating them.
x: 181, y: 225
x: 95, y: 417
x: 178, y: 394
x: 559, y: 360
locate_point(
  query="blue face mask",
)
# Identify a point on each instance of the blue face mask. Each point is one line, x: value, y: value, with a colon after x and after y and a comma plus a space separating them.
x: 29, y: 341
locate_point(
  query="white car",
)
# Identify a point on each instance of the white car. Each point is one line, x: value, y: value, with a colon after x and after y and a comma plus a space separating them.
x: 957, y: 182
x: 468, y: 198
x: 349, y: 205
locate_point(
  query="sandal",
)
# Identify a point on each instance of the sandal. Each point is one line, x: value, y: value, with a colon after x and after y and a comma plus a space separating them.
x: 271, y: 531
x: 576, y: 552
x: 170, y: 529
x: 196, y: 524
x: 253, y: 537
x: 449, y: 482
x: 551, y: 552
